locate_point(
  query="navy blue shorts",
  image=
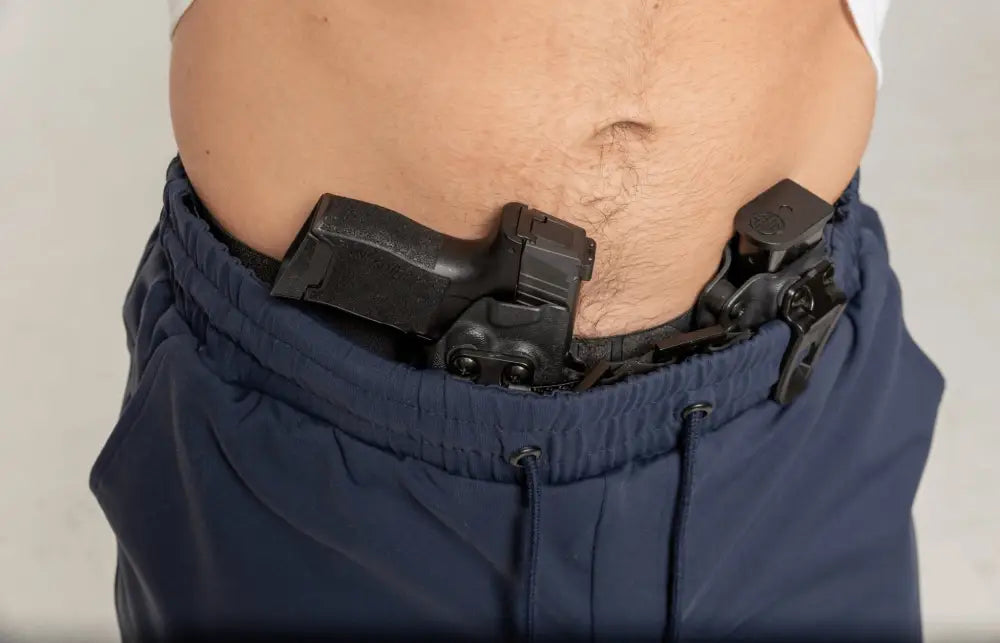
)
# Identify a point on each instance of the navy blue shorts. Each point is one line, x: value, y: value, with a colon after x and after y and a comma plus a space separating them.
x: 268, y: 478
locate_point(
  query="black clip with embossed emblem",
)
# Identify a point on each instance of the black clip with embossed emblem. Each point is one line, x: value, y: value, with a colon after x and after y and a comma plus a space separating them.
x: 778, y: 267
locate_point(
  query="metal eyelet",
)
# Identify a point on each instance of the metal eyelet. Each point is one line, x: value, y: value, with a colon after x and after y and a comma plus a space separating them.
x: 518, y: 456
x: 698, y: 407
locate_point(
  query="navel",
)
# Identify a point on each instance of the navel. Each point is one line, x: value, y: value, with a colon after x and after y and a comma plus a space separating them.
x: 623, y: 132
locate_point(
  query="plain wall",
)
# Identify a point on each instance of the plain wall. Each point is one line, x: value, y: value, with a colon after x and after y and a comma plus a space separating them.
x: 84, y: 142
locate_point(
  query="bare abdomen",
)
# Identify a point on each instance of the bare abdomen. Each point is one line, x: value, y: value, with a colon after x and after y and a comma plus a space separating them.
x: 648, y: 123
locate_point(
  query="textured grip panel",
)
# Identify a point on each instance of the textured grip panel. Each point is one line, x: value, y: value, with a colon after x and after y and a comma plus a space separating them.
x: 369, y: 261
x: 380, y: 286
x: 366, y: 223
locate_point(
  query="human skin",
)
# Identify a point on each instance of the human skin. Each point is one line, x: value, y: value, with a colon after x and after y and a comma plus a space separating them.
x: 647, y: 122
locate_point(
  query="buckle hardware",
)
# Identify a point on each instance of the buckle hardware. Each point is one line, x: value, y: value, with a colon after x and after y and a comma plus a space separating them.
x: 811, y: 307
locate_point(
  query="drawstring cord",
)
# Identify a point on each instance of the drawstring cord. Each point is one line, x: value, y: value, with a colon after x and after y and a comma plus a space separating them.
x: 526, y: 458
x: 693, y: 417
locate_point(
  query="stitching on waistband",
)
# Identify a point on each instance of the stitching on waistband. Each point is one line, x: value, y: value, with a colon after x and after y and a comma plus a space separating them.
x: 588, y: 455
x: 747, y: 365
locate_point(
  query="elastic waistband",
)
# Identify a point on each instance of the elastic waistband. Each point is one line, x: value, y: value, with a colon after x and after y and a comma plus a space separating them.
x: 466, y: 429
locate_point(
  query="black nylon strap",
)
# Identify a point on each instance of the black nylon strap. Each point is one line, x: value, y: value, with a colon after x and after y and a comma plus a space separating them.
x: 264, y: 267
x: 261, y: 265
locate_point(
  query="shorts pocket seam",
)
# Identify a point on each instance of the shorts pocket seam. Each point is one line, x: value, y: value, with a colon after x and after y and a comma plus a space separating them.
x: 128, y: 419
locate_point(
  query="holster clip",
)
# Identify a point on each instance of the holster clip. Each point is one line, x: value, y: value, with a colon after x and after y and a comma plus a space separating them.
x: 811, y: 307
x: 778, y: 266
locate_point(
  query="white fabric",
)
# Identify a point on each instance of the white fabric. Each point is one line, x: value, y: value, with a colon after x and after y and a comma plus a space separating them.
x: 869, y: 17
x: 177, y: 9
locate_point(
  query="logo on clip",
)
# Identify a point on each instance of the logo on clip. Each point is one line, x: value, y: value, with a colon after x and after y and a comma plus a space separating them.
x: 767, y: 223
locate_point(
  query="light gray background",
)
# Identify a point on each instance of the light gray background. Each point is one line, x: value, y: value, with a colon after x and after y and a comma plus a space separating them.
x: 84, y: 141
